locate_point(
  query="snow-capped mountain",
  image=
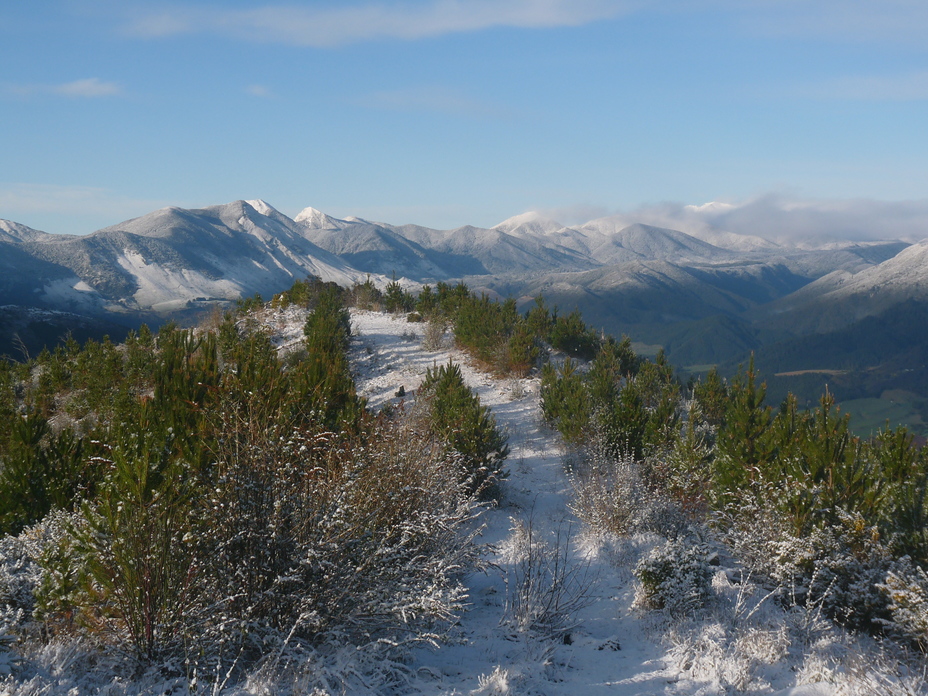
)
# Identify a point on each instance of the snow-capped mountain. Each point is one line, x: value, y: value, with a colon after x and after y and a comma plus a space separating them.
x: 529, y: 224
x: 621, y: 273
x: 14, y: 232
x: 173, y: 257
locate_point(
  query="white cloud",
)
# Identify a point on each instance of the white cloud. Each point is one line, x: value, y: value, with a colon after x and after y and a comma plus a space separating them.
x: 339, y: 25
x: 575, y: 214
x: 786, y: 218
x: 88, y: 88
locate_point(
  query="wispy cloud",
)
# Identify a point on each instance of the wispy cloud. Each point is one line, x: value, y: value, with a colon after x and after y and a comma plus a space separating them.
x: 89, y: 88
x: 339, y: 25
x: 431, y: 99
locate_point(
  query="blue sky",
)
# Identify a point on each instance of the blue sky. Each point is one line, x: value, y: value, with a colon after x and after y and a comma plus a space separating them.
x: 447, y: 112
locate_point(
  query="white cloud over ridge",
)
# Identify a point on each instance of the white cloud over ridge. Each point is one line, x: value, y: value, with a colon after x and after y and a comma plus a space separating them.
x: 795, y: 220
x: 324, y: 27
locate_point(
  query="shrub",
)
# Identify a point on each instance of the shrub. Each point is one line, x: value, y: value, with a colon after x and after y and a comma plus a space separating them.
x: 455, y: 415
x: 572, y: 335
x: 137, y: 549
x: 612, y: 497
x: 365, y: 295
x: 906, y: 586
x: 565, y: 404
x: 674, y: 577
x: 434, y: 334
x: 545, y: 586
x: 40, y: 471
x: 314, y: 534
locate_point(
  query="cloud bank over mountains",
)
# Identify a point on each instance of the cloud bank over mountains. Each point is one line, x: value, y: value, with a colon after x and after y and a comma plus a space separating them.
x: 780, y: 218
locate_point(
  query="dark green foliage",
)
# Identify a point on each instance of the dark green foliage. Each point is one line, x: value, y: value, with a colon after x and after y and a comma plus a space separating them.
x: 306, y: 293
x: 39, y: 471
x: 522, y: 351
x: 137, y: 546
x: 492, y: 332
x: 539, y: 320
x: 629, y: 406
x: 324, y: 378
x: 249, y: 304
x: 426, y: 301
x: 8, y: 405
x: 396, y: 300
x: 366, y: 295
x: 449, y: 299
x: 711, y: 394
x: 572, y: 335
x: 742, y: 444
x: 565, y: 402
x: 483, y: 327
x: 454, y: 414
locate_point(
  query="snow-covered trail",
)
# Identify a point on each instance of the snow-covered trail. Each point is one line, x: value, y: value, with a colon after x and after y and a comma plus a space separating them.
x: 612, y: 647
x: 611, y: 650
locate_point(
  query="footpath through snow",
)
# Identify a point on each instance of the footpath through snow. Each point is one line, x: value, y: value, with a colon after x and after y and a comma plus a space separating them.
x: 609, y: 647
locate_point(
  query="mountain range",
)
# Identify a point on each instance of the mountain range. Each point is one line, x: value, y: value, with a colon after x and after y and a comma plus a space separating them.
x: 709, y: 297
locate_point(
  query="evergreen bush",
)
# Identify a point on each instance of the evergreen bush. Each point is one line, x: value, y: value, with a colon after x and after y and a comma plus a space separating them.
x: 455, y: 415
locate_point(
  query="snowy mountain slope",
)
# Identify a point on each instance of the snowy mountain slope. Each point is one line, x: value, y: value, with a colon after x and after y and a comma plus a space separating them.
x: 27, y: 280
x: 649, y: 243
x: 529, y: 224
x: 615, y: 271
x: 845, y: 296
x: 14, y: 232
x: 493, y: 251
x: 172, y: 257
x: 316, y: 219
x: 377, y: 249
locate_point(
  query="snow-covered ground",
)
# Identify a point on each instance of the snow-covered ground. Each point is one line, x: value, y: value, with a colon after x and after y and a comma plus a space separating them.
x: 611, y: 646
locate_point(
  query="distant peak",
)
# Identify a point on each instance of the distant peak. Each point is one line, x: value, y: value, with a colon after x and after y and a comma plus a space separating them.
x: 315, y: 218
x: 262, y: 207
x: 532, y: 221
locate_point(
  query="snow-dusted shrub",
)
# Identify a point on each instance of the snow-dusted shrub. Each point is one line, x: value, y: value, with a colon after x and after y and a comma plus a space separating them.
x: 838, y: 567
x: 433, y: 335
x: 674, y: 577
x: 611, y: 495
x: 315, y: 534
x: 24, y: 568
x: 546, y: 586
x: 907, y: 588
x: 19, y: 578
